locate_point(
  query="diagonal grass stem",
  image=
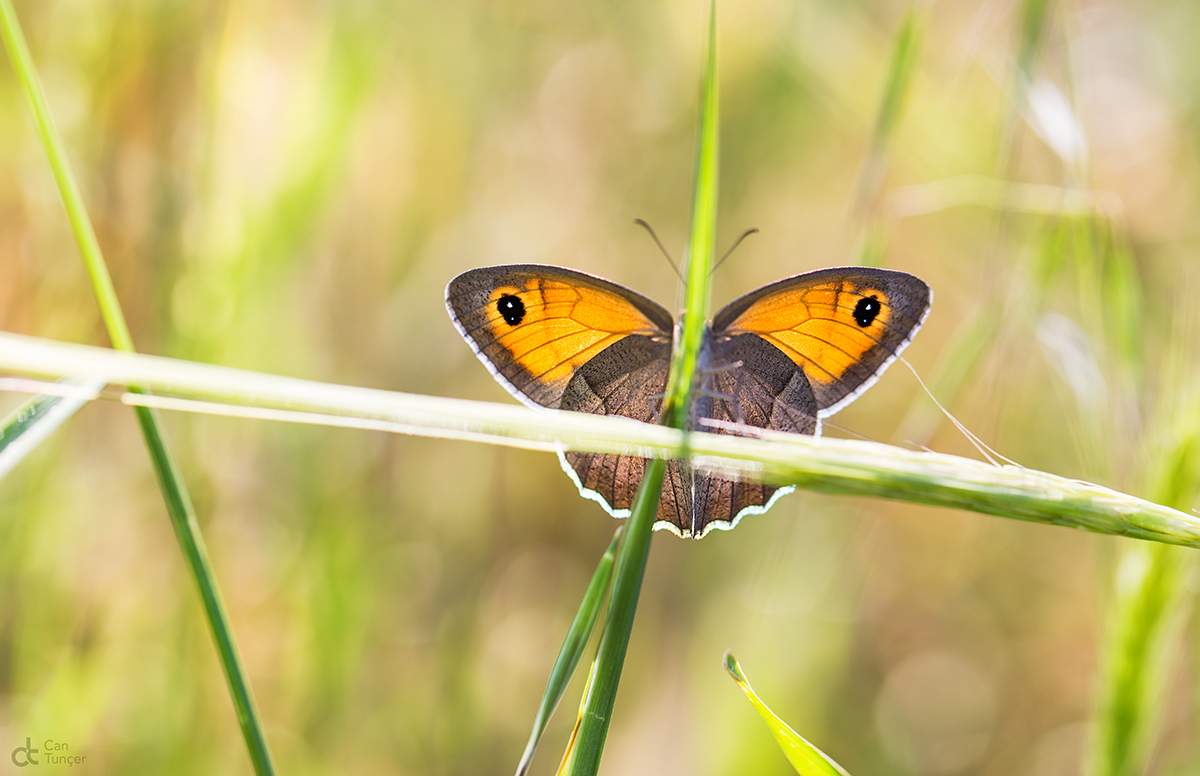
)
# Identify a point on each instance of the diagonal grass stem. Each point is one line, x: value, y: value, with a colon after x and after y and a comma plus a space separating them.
x: 578, y: 636
x: 175, y: 493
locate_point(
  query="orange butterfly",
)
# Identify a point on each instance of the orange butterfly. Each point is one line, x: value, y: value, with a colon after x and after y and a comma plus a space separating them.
x: 781, y: 358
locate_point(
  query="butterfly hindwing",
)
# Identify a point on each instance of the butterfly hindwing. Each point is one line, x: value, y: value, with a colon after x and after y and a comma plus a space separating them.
x: 534, y: 326
x: 626, y: 379
x: 751, y: 383
x: 843, y: 326
x: 746, y: 383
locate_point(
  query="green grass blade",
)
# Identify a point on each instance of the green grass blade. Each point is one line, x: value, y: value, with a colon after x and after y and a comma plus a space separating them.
x: 179, y: 505
x: 1145, y: 621
x: 187, y: 532
x: 701, y: 245
x: 1123, y: 300
x: 33, y: 422
x: 906, y: 51
x: 81, y: 225
x: 568, y: 758
x: 1034, y: 19
x: 804, y: 757
x: 836, y: 466
x: 1150, y: 604
x: 631, y: 563
x: 578, y: 636
x: 627, y: 584
x: 902, y: 65
x: 1035, y: 15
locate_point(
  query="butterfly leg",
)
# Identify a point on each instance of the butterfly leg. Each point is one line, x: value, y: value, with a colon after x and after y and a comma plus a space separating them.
x: 737, y: 401
x: 723, y: 368
x: 714, y: 394
x: 656, y: 410
x: 732, y: 366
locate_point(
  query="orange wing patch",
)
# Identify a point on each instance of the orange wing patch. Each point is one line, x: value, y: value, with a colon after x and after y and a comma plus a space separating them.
x: 826, y: 328
x: 551, y: 327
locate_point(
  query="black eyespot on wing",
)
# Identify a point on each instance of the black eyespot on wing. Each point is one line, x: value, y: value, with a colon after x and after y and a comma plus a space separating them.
x: 865, y: 311
x: 512, y: 309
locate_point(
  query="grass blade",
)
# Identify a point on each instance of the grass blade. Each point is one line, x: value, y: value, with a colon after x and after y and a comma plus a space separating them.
x: 835, y: 466
x: 33, y: 422
x: 568, y: 758
x: 81, y: 225
x: 698, y: 256
x: 596, y: 714
x: 906, y: 51
x: 631, y: 563
x: 1145, y: 621
x: 175, y: 494
x: 578, y: 636
x: 1150, y: 604
x: 804, y: 757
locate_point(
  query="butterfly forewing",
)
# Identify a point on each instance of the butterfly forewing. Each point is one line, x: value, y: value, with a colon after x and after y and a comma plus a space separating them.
x: 534, y: 326
x: 842, y: 326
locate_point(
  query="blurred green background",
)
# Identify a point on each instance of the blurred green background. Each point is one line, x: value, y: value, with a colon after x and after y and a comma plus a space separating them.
x: 288, y: 187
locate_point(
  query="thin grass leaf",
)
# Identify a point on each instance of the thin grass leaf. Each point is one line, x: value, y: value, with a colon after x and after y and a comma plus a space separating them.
x: 587, y: 746
x: 804, y: 757
x: 578, y: 636
x: 1123, y: 303
x: 1152, y: 599
x: 1035, y: 16
x: 836, y: 466
x: 701, y: 246
x: 1145, y: 622
x: 175, y: 494
x: 33, y: 422
x: 81, y: 225
x: 1034, y: 20
x: 631, y: 563
x: 902, y: 65
x: 997, y: 194
x: 953, y: 369
x: 568, y: 758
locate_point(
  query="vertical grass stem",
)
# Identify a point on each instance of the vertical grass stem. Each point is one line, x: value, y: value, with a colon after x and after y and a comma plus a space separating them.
x: 631, y: 562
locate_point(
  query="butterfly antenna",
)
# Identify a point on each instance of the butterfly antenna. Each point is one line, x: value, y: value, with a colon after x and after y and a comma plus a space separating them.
x: 732, y: 248
x: 642, y: 223
x: 979, y: 444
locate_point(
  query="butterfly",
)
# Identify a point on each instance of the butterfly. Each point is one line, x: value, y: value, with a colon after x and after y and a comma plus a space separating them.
x: 780, y: 358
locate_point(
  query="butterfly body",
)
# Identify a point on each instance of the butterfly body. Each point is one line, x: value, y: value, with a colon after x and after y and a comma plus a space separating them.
x: 779, y: 358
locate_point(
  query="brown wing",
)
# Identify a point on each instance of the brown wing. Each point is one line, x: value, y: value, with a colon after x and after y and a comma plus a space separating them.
x: 534, y: 326
x: 626, y: 379
x: 749, y: 383
x: 842, y: 326
x: 745, y: 381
